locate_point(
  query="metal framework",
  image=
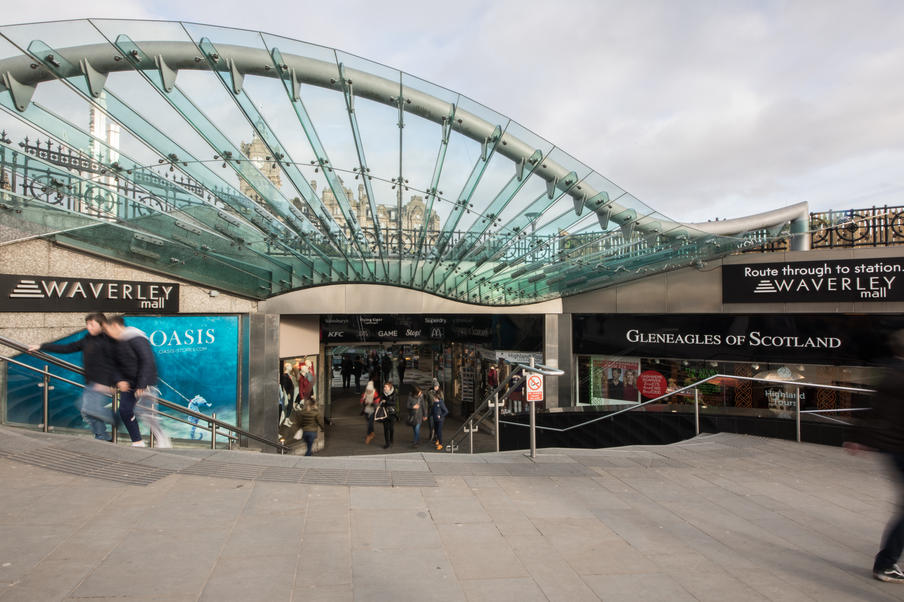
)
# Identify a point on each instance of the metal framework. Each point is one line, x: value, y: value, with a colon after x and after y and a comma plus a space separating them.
x: 224, y: 137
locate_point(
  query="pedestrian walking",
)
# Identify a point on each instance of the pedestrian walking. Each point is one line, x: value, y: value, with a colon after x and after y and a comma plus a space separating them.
x: 417, y: 413
x: 99, y: 365
x: 438, y: 413
x: 390, y: 405
x: 357, y: 369
x: 883, y: 429
x: 345, y: 369
x: 137, y: 372
x: 369, y: 402
x: 310, y: 421
x: 401, y: 369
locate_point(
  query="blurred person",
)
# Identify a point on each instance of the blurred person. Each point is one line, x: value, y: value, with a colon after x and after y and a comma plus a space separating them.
x: 357, y: 369
x: 345, y: 369
x: 137, y: 370
x: 438, y: 413
x: 99, y: 365
x: 309, y: 421
x: 400, y: 368
x: 417, y: 412
x: 390, y: 404
x: 369, y: 402
x: 883, y: 429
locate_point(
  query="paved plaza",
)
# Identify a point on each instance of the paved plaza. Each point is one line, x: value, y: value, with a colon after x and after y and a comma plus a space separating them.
x: 720, y: 517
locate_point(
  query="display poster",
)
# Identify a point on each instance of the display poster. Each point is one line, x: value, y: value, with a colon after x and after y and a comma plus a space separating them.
x: 197, y: 366
x: 613, y: 380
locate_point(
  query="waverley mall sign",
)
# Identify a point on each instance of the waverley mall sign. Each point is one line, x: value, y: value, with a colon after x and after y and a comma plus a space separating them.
x: 814, y: 281
x: 46, y: 293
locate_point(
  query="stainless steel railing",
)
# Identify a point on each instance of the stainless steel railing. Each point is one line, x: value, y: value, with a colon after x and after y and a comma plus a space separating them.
x: 718, y: 377
x: 214, y: 426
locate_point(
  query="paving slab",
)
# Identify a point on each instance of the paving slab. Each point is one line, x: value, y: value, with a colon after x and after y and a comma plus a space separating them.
x: 719, y: 517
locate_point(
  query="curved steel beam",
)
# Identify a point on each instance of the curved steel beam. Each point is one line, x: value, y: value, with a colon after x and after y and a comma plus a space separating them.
x: 21, y: 74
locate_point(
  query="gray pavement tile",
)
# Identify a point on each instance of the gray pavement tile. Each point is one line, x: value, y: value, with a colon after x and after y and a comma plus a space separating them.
x: 325, y: 560
x: 523, y: 589
x: 386, y: 498
x: 457, y: 510
x: 22, y: 547
x: 49, y: 580
x: 553, y: 574
x: 265, y: 535
x: 167, y: 563
x: 415, y: 575
x: 479, y: 552
x: 393, y: 529
x: 326, y: 592
x: 252, y: 577
x: 277, y: 500
x: 630, y: 588
x: 168, y: 461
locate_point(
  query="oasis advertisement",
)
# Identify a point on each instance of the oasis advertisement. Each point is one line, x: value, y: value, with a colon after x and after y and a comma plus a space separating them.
x: 197, y: 366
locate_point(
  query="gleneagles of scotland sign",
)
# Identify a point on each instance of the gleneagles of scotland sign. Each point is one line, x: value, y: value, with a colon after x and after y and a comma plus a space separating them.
x: 814, y: 281
x: 48, y: 293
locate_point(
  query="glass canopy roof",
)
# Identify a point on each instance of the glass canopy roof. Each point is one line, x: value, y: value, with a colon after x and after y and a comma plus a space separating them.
x: 258, y: 164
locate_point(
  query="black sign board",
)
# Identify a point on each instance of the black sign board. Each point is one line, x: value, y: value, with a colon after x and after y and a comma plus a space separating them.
x: 821, y: 339
x: 512, y: 332
x: 52, y: 294
x: 879, y: 279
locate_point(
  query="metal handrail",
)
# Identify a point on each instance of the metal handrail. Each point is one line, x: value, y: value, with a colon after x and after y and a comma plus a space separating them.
x: 796, y: 384
x: 216, y: 427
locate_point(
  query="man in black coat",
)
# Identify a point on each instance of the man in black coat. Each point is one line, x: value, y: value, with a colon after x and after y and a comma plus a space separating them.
x: 99, y: 364
x: 137, y: 371
x: 883, y: 429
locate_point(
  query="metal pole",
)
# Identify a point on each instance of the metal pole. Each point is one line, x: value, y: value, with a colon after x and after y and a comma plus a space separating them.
x: 496, y: 417
x: 697, y: 410
x: 46, y: 396
x: 533, y: 419
x: 471, y: 435
x: 797, y: 403
x: 150, y: 438
x: 114, y: 435
x: 213, y: 431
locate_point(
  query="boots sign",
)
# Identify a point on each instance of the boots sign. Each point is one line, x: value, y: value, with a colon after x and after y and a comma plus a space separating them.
x: 49, y: 294
x: 814, y: 281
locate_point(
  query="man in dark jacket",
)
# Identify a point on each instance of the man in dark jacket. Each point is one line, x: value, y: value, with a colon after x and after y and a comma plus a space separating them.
x: 137, y: 371
x: 99, y: 364
x: 883, y: 430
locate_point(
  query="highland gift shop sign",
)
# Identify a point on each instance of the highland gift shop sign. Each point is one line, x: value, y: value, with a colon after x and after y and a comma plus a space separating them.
x: 49, y: 293
x: 814, y: 281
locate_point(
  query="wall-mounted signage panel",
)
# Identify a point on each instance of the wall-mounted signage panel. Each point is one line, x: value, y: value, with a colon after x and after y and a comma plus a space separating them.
x: 51, y: 294
x: 843, y: 280
x: 516, y: 332
x: 823, y: 339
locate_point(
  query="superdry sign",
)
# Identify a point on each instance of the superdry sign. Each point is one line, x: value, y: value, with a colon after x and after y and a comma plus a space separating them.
x: 814, y: 281
x: 47, y: 293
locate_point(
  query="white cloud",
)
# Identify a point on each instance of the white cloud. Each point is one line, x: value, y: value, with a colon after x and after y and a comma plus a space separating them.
x: 699, y: 109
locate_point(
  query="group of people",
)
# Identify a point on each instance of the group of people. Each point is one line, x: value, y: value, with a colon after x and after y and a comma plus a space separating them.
x: 115, y: 357
x: 429, y: 407
x: 379, y: 368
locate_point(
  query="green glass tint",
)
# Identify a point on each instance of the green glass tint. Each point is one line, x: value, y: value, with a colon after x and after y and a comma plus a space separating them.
x: 259, y: 164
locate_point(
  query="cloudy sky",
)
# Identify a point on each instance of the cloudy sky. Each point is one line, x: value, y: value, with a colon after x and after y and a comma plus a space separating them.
x: 700, y: 109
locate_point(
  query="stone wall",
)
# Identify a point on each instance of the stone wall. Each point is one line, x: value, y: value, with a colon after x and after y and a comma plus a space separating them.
x: 42, y: 258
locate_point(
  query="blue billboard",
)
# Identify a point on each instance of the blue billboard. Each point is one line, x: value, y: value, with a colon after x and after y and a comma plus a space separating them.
x: 196, y: 356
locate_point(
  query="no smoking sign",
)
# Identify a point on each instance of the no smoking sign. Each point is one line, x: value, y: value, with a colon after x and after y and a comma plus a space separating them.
x: 535, y: 387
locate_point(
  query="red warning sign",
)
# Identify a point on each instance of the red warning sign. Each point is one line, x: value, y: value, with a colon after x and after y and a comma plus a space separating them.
x: 534, y: 387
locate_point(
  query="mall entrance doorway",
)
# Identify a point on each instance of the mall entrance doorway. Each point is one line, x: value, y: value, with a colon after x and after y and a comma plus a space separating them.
x: 465, y: 373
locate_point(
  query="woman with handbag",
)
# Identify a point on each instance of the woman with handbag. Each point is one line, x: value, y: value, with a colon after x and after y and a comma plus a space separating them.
x: 390, y: 406
x: 417, y: 412
x: 369, y: 402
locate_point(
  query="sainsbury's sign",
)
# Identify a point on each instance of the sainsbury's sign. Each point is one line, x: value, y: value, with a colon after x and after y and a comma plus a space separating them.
x: 814, y: 281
